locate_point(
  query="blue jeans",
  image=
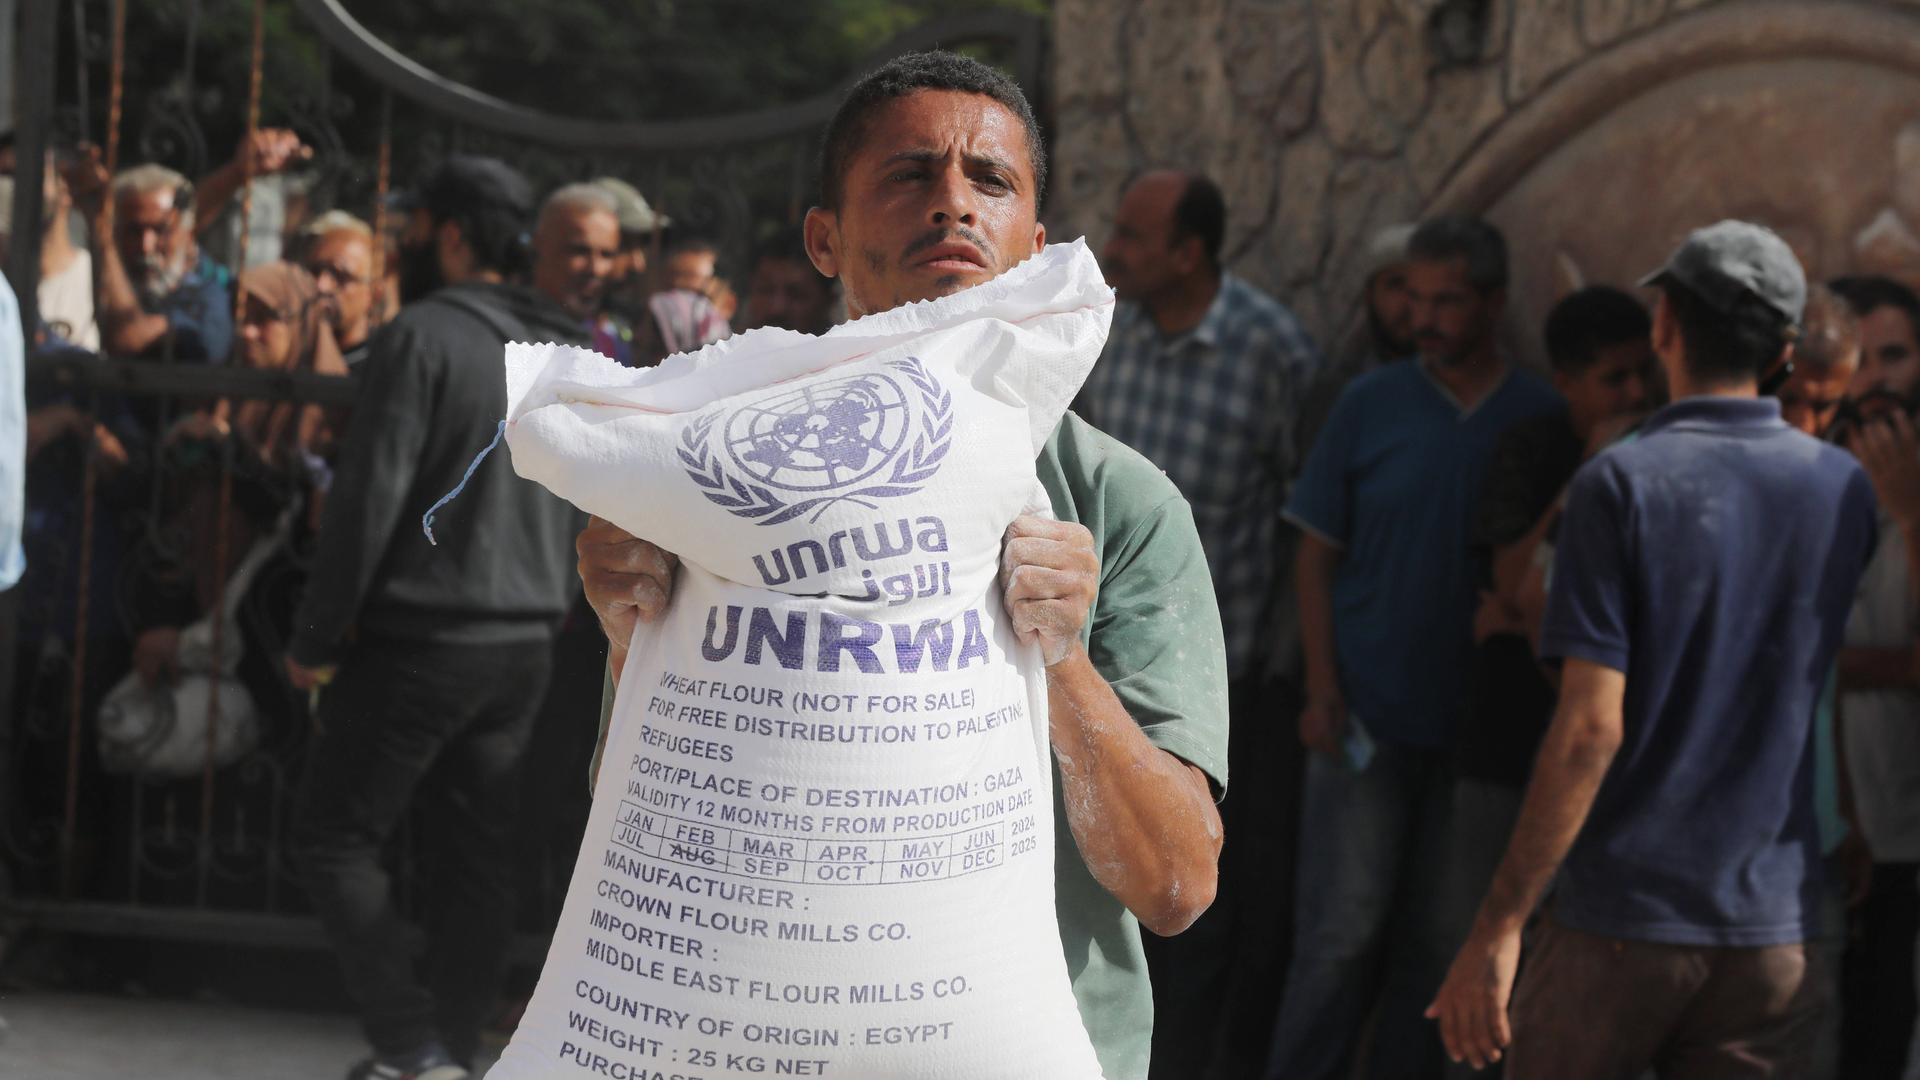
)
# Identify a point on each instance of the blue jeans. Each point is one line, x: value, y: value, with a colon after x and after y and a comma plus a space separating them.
x: 1373, y: 920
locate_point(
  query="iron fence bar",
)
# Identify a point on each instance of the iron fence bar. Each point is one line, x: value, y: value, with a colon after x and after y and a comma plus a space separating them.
x: 383, y: 177
x: 192, y: 44
x: 116, y: 89
x: 82, y: 100
x: 145, y: 378
x: 76, y: 711
x: 32, y: 128
x: 203, y: 843
x: 203, y: 925
x: 408, y: 78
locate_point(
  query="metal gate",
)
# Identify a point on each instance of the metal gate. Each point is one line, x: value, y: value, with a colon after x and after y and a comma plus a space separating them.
x: 204, y: 857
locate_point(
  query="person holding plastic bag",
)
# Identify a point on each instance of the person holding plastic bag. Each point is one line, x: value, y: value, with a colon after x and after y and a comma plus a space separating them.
x: 930, y: 179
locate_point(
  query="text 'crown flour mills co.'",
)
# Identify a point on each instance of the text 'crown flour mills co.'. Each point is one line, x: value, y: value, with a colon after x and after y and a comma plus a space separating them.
x: 821, y: 842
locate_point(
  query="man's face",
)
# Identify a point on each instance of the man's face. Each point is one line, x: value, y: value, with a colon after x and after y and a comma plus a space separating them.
x: 1811, y: 396
x: 342, y: 263
x: 153, y: 240
x: 1615, y: 384
x: 575, y: 255
x: 1452, y: 320
x: 1390, y: 311
x: 1889, y: 362
x: 1144, y: 257
x: 690, y: 270
x: 939, y: 197
x: 789, y: 293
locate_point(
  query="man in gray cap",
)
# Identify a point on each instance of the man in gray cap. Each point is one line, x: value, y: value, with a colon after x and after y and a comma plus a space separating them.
x: 1703, y: 578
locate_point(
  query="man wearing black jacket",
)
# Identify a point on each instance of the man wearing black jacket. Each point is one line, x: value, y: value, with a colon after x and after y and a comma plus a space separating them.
x: 431, y: 661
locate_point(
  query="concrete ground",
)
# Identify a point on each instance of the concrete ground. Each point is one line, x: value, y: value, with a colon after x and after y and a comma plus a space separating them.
x: 57, y: 1036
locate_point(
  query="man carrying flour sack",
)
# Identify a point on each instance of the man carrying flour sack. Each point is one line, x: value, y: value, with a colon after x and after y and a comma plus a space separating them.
x: 930, y: 179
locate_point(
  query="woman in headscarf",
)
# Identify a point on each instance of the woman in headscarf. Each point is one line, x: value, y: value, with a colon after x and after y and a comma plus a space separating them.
x: 273, y: 454
x: 285, y: 326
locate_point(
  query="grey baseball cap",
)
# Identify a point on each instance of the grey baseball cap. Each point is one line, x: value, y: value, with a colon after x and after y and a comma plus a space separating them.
x: 635, y: 214
x: 1723, y: 262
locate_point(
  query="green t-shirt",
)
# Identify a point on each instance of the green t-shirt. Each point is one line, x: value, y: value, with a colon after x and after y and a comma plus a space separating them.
x: 1154, y: 635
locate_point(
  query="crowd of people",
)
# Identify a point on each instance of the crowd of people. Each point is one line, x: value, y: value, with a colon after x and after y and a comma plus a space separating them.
x: 306, y: 562
x: 1572, y: 716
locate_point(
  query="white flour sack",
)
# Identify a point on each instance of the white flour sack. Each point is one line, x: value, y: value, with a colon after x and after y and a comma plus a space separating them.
x: 822, y: 838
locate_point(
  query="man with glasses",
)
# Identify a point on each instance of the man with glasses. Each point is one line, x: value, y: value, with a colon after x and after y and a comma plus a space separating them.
x: 339, y: 255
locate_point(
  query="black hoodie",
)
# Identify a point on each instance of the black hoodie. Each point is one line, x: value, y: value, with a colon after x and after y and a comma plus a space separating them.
x: 432, y: 392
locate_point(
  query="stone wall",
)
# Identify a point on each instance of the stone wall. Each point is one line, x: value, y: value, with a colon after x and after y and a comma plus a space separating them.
x: 1596, y: 132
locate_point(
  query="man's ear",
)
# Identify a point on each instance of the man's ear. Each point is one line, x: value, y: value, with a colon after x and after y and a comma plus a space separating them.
x: 1039, y: 237
x: 1190, y: 256
x: 1496, y: 304
x: 822, y: 232
x: 1666, y: 330
x: 456, y: 255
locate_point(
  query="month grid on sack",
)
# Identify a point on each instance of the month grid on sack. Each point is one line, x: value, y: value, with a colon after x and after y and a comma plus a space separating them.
x: 769, y: 857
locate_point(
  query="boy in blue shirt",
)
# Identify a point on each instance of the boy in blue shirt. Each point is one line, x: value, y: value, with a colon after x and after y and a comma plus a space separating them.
x: 1703, y: 578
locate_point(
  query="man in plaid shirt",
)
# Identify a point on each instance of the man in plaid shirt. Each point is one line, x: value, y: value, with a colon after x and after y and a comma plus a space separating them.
x: 1203, y: 374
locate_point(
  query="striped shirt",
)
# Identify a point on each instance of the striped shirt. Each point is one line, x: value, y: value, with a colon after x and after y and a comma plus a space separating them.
x: 1215, y: 409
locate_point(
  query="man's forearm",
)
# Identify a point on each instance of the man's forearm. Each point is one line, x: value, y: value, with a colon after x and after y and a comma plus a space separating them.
x: 128, y: 327
x: 1876, y: 668
x: 1144, y: 820
x: 1578, y: 750
x: 1313, y: 585
x: 213, y: 192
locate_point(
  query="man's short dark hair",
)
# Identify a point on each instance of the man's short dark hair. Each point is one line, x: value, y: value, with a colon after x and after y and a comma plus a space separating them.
x: 497, y: 236
x: 693, y: 242
x: 909, y: 74
x: 1726, y: 347
x: 1592, y: 319
x: 1479, y: 244
x: 1202, y: 212
x: 1868, y: 293
x: 490, y: 201
x: 789, y: 244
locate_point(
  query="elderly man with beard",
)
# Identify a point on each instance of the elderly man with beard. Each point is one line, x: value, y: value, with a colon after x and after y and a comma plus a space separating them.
x: 931, y: 173
x: 1385, y: 505
x: 160, y: 296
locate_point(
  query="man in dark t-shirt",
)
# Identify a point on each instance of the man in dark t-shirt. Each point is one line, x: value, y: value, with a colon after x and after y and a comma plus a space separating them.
x: 1702, y: 582
x: 1598, y: 346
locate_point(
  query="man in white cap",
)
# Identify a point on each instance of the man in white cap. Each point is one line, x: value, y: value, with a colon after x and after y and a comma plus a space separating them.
x: 1703, y: 578
x: 626, y: 302
x: 1388, y: 335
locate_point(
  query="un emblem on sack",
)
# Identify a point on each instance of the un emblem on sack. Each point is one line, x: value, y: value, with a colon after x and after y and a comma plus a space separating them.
x: 843, y: 439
